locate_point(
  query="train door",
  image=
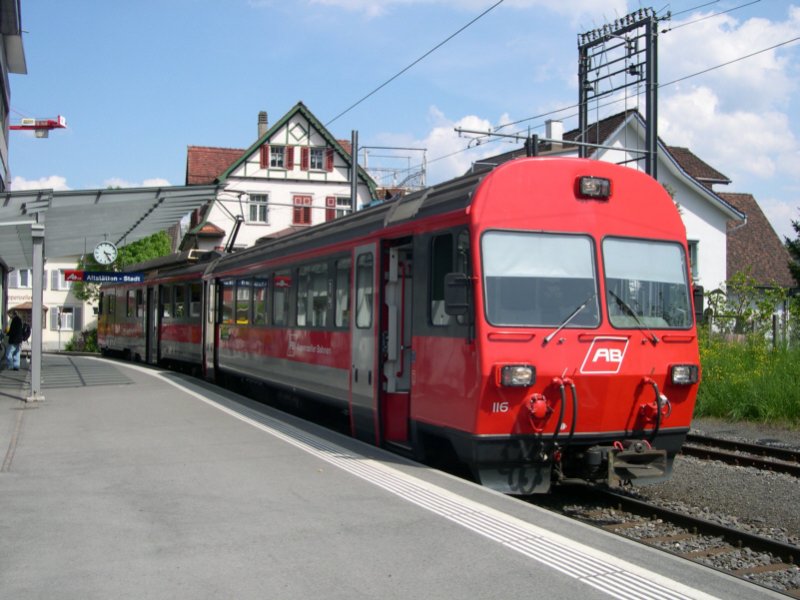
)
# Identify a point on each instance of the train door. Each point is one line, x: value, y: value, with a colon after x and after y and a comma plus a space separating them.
x: 151, y: 325
x: 396, y: 351
x: 363, y: 375
x: 208, y: 316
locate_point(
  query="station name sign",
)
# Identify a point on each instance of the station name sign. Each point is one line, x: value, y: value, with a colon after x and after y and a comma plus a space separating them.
x: 102, y: 276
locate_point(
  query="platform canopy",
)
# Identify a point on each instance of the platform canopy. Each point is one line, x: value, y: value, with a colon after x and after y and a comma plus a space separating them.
x: 76, y: 220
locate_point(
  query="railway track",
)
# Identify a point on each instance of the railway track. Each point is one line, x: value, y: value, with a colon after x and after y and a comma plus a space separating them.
x: 759, y: 560
x: 746, y: 454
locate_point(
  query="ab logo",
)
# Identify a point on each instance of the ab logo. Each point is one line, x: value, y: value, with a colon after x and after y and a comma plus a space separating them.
x: 605, y: 355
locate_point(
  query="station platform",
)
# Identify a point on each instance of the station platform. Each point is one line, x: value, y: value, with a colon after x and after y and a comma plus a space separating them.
x: 133, y: 482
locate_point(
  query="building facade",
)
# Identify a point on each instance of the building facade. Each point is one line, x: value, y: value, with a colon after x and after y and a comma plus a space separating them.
x: 295, y: 175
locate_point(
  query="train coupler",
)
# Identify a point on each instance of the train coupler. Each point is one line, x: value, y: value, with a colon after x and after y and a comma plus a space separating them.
x: 636, y: 460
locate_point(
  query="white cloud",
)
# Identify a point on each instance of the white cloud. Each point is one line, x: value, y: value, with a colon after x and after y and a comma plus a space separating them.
x: 52, y: 182
x: 118, y: 182
x: 780, y: 215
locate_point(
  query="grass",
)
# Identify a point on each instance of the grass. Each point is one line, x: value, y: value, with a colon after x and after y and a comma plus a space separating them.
x: 748, y: 380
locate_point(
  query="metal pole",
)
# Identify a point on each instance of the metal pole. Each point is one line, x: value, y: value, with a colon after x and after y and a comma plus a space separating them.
x: 651, y: 135
x: 37, y: 235
x: 354, y: 176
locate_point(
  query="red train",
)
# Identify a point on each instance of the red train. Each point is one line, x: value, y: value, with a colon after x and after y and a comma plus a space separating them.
x: 534, y: 319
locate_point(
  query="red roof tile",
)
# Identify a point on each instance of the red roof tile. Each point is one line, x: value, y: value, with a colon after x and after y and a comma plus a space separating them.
x: 755, y: 247
x: 204, y: 164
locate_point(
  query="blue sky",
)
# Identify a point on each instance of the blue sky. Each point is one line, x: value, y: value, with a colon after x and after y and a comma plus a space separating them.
x: 140, y: 81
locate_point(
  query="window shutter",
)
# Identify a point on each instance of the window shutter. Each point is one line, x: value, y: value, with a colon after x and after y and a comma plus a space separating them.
x: 329, y: 159
x: 44, y: 279
x: 264, y: 156
x: 289, y: 157
x: 54, y: 279
x: 77, y: 318
x: 54, y: 318
x: 305, y: 153
x: 13, y: 279
x: 330, y: 208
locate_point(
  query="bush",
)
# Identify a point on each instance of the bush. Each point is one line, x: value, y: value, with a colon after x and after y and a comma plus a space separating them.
x: 85, y: 341
x: 747, y: 379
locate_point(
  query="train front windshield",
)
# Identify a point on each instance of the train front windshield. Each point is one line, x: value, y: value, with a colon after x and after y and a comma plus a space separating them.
x: 646, y: 284
x: 539, y: 279
x: 550, y: 280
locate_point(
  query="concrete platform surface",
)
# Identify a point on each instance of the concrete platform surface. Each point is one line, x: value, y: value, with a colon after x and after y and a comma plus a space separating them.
x: 129, y: 482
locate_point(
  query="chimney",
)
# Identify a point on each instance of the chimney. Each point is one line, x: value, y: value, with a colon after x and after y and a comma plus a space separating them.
x: 263, y: 125
x: 554, y: 130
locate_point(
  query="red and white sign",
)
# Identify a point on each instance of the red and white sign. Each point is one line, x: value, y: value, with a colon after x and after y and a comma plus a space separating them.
x: 605, y: 356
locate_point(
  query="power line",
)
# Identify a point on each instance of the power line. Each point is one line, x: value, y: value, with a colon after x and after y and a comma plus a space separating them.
x: 429, y: 52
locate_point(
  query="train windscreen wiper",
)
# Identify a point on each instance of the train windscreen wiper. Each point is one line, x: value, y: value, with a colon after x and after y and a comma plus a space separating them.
x: 566, y: 321
x: 627, y: 308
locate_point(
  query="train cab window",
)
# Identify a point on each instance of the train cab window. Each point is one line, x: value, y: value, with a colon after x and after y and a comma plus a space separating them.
x: 539, y: 279
x: 195, y: 299
x: 281, y: 286
x: 166, y: 301
x: 647, y: 284
x: 243, y: 288
x: 342, y: 307
x: 441, y: 265
x: 226, y: 300
x: 364, y: 290
x: 139, y: 304
x: 179, y: 294
x: 260, y: 289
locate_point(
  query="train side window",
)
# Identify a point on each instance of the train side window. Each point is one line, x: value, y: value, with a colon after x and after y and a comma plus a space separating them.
x: 111, y: 298
x: 281, y: 285
x: 319, y: 298
x: 166, y: 301
x: 303, y: 277
x: 130, y: 303
x: 180, y: 301
x: 243, y: 302
x: 342, y: 310
x: 195, y: 299
x: 260, y: 289
x: 227, y: 296
x: 140, y: 303
x: 364, y: 291
x: 441, y: 265
x: 101, y: 304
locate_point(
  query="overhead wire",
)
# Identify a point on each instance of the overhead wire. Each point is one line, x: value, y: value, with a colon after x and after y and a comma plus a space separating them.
x: 428, y: 53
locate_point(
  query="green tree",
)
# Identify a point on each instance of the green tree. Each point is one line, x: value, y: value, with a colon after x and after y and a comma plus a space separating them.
x: 158, y: 244
x: 793, y: 246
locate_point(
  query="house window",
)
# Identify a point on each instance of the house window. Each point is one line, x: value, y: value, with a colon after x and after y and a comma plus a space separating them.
x: 277, y: 157
x: 317, y: 158
x: 25, y: 278
x: 302, y: 210
x: 258, y: 208
x: 336, y: 207
x: 693, y: 258
x: 66, y: 318
x: 59, y: 282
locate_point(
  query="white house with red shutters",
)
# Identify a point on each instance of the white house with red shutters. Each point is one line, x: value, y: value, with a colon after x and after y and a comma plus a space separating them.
x: 296, y: 174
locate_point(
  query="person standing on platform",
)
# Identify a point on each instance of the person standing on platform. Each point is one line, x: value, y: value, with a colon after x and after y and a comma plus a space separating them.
x: 14, y: 341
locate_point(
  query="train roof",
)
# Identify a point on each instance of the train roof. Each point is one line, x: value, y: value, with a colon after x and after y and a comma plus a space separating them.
x: 445, y: 197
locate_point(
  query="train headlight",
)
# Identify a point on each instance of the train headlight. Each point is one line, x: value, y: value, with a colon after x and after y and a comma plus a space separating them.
x: 684, y: 374
x: 597, y: 188
x: 516, y: 375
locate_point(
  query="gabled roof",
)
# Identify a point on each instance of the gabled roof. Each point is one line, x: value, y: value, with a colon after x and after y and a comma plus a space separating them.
x: 316, y: 124
x: 754, y: 247
x: 205, y: 164
x: 699, y: 170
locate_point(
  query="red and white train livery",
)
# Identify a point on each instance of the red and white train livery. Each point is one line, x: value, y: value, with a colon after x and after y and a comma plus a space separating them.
x: 535, y: 319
